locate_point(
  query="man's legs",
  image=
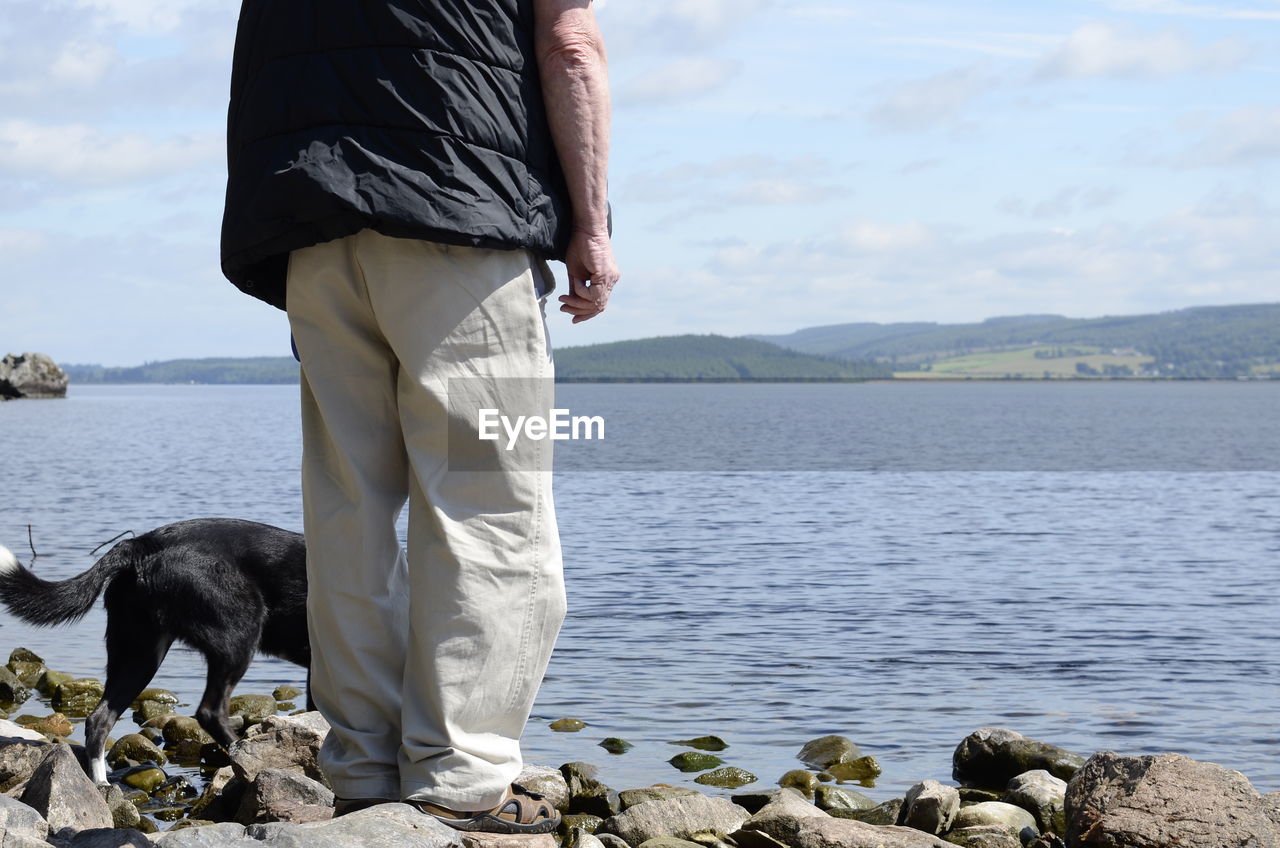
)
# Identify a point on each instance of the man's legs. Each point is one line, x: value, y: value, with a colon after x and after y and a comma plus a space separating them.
x: 485, y: 595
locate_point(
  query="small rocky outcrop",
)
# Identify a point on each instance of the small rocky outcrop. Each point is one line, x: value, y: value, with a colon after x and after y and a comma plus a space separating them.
x: 1162, y: 800
x: 282, y: 742
x: 278, y: 795
x: 992, y: 756
x: 31, y: 375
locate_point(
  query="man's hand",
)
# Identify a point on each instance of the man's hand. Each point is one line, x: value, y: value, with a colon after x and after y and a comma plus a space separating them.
x: 592, y: 275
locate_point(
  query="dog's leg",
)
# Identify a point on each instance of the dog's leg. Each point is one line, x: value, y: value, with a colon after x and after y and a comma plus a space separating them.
x: 224, y: 673
x: 135, y: 649
x: 311, y: 703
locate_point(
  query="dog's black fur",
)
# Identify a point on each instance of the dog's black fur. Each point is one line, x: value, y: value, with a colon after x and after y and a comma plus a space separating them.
x: 226, y: 587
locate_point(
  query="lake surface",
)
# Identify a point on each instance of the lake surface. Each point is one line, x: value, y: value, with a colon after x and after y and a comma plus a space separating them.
x: 1092, y: 564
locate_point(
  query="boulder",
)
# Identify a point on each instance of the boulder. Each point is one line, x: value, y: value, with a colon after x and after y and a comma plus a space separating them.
x: 501, y: 840
x: 385, y: 826
x: 32, y: 375
x: 1042, y: 795
x: 886, y: 812
x: 831, y: 798
x: 13, y: 692
x: 831, y: 832
x: 1015, y: 820
x: 285, y: 742
x: 19, y: 759
x: 1161, y: 800
x: 993, y: 756
x: 224, y: 835
x: 547, y: 782
x: 109, y: 838
x: 19, y: 820
x: 930, y: 806
x: 252, y: 708
x: 63, y: 794
x: 123, y: 812
x: 984, y: 836
x: 681, y: 817
x: 781, y: 817
x: 136, y: 748
x: 587, y: 794
x: 826, y: 751
x: 279, y: 795
x: 658, y: 791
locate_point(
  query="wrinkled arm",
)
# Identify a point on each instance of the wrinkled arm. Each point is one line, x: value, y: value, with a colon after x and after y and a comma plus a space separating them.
x: 572, y: 64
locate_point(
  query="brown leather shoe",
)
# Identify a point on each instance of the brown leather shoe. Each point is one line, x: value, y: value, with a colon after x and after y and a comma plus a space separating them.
x: 521, y: 811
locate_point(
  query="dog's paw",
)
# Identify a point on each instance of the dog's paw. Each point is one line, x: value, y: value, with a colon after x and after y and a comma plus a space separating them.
x: 8, y: 562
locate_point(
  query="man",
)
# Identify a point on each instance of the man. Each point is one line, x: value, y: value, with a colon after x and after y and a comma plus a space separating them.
x: 399, y: 170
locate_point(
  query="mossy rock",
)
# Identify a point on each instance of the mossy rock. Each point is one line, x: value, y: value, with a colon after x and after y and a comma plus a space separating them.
x: 179, y: 729
x: 160, y: 696
x: 826, y: 751
x: 286, y: 692
x: 573, y: 826
x: 689, y: 761
x: 27, y: 665
x: 704, y: 743
x: 614, y: 745
x: 55, y: 724
x: 568, y: 725
x: 137, y: 748
x: 183, y: 824
x: 49, y: 682
x: 146, y: 778
x: 729, y: 777
x: 252, y: 708
x: 169, y: 813
x: 286, y: 706
x: 885, y: 813
x: 78, y: 697
x: 974, y: 795
x: 863, y: 770
x: 148, y: 710
x: 800, y: 780
x: 13, y: 692
x: 175, y: 788
x: 830, y: 798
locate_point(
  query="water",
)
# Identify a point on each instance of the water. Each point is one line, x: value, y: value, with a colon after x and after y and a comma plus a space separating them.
x: 960, y: 556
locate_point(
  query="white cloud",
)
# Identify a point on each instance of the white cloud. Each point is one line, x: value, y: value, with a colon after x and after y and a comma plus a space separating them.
x: 1176, y: 7
x: 1007, y: 45
x: 1063, y: 203
x: 1101, y: 50
x: 731, y: 181
x: 87, y: 156
x: 673, y: 26
x: 925, y: 103
x: 1242, y: 137
x: 679, y: 78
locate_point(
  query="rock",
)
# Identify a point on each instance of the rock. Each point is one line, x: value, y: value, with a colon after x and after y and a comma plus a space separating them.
x: 221, y: 798
x: 152, y: 693
x: 77, y: 697
x: 1163, y: 800
x: 828, y: 832
x: 681, y: 817
x: 146, y: 778
x: 19, y: 820
x: 802, y: 781
x: 286, y: 742
x: 567, y: 725
x: 930, y: 806
x: 1042, y: 795
x: 54, y: 724
x: 179, y: 729
x: 754, y: 802
x: 669, y: 842
x: 573, y: 825
x: 1015, y: 819
x: 656, y: 792
x: 586, y: 793
x: 33, y: 375
x: 547, y: 782
x: 614, y: 745
x: 780, y: 818
x: 225, y: 835
x: 279, y: 795
x: 109, y: 838
x: 826, y: 751
x: 51, y: 680
x: 19, y: 759
x: 704, y: 743
x: 286, y: 693
x: 973, y: 795
x: 1271, y: 804
x: 27, y: 665
x: 386, y: 825
x: 11, y: 731
x: 499, y: 840
x: 992, y: 756
x: 135, y: 747
x: 829, y: 798
x: 60, y: 791
x: 590, y: 840
x: 861, y: 770
x: 984, y: 836
x: 882, y: 814
x: 13, y: 692
x: 608, y: 840
x: 728, y: 777
x: 123, y: 811
x: 148, y: 710
x: 252, y: 708
x: 1047, y: 840
x: 695, y: 761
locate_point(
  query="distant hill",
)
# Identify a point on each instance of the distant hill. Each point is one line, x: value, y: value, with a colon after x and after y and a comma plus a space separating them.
x: 1200, y: 342
x: 703, y: 358
x: 258, y: 369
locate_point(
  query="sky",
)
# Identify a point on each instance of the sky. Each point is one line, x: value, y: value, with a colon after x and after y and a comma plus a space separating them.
x: 776, y: 164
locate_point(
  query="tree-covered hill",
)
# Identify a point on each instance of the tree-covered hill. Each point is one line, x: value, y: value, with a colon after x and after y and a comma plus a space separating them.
x: 1204, y: 341
x: 259, y: 369
x: 703, y: 358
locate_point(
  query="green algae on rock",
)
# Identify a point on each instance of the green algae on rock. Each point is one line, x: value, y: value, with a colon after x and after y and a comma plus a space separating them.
x: 567, y: 725
x: 729, y: 777
x: 704, y: 743
x: 614, y: 745
x: 689, y: 761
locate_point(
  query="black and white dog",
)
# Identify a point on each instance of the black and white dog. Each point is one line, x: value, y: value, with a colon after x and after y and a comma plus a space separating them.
x: 227, y: 588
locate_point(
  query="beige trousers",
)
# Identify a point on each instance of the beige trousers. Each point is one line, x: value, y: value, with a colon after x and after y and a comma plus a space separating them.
x: 426, y: 662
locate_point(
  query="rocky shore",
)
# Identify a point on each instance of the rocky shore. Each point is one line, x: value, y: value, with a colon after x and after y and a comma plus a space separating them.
x: 1010, y: 791
x: 31, y: 375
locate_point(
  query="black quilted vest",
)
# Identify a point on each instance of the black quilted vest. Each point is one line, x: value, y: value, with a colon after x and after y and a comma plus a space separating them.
x: 417, y: 118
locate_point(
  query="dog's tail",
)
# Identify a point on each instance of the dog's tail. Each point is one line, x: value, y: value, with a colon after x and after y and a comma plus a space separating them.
x: 48, y: 602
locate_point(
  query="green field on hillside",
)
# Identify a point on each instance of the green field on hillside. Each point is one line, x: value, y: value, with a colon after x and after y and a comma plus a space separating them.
x: 1022, y: 363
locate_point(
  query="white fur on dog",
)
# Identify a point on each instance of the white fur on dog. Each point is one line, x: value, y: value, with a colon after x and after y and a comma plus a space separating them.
x: 8, y: 562
x: 99, y: 767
